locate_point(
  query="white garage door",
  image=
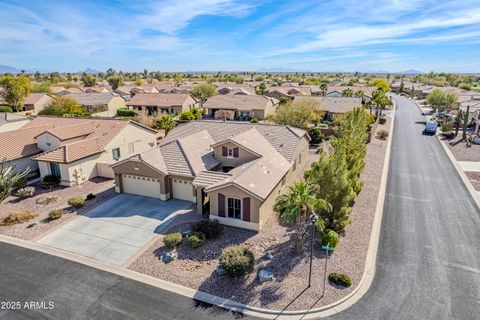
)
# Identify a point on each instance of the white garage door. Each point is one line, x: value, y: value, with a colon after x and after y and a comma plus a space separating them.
x: 142, y: 186
x: 182, y: 189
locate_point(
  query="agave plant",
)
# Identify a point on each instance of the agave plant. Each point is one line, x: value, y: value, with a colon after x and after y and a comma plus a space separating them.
x: 9, y: 178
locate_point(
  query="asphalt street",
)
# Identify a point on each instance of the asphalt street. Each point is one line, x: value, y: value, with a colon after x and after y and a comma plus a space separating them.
x: 428, y: 263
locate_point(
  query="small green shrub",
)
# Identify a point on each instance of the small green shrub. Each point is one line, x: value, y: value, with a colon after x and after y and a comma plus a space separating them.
x: 55, y: 214
x: 316, y: 135
x: 172, y: 240
x: 26, y: 192
x: 21, y: 183
x: 196, y: 239
x: 447, y: 127
x: 122, y: 112
x: 340, y: 279
x: 254, y: 120
x: 210, y: 228
x: 382, y: 120
x: 382, y: 134
x: 330, y: 238
x: 90, y: 196
x: 18, y: 217
x: 237, y: 261
x: 44, y: 201
x: 50, y: 181
x: 76, y: 202
x: 5, y: 109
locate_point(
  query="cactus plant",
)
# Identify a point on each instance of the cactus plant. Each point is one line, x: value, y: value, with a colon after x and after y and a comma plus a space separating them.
x: 9, y: 177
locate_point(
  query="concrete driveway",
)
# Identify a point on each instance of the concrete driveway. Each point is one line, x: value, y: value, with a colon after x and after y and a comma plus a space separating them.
x: 115, y: 230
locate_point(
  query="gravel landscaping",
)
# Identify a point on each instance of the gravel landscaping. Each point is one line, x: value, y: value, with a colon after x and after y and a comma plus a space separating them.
x: 40, y: 204
x: 195, y: 268
x: 474, y: 178
x: 461, y: 152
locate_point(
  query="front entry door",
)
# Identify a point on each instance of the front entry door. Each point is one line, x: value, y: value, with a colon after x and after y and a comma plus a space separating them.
x: 55, y: 170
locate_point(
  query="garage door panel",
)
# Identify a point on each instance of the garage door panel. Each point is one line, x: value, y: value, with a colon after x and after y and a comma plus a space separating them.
x: 142, y: 186
x: 182, y: 189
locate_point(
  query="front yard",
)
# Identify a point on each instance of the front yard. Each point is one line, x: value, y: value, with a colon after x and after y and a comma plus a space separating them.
x: 196, y: 268
x: 45, y: 200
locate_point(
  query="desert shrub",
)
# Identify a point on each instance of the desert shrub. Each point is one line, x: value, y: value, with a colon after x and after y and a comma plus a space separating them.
x: 5, y: 109
x: 26, y: 192
x: 382, y: 134
x: 237, y: 260
x: 195, y: 239
x: 172, y: 240
x: 21, y: 183
x: 340, y: 279
x: 382, y: 120
x: 122, y: 112
x: 447, y: 127
x: 330, y: 238
x: 254, y: 120
x: 186, y: 116
x: 18, y: 217
x: 76, y: 202
x: 210, y: 228
x: 90, y: 196
x: 44, y: 201
x: 316, y: 135
x: 55, y: 214
x: 50, y: 181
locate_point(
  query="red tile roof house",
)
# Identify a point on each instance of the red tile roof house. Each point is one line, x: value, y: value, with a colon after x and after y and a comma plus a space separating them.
x: 74, y: 149
x: 232, y: 170
x: 244, y: 107
x: 289, y: 92
x: 36, y: 102
x: 154, y: 103
x: 101, y: 104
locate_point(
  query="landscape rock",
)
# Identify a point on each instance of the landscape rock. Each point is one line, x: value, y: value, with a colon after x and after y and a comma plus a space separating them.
x: 268, y: 255
x: 265, y: 275
x: 168, y: 256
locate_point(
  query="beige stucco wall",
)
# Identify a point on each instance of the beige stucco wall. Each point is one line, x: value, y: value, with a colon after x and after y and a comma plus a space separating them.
x: 47, y: 141
x: 39, y: 105
x: 243, y: 155
x: 115, y: 104
x: 234, y: 192
x: 23, y: 163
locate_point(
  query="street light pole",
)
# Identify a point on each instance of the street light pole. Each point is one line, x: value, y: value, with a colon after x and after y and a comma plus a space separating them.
x: 313, y: 219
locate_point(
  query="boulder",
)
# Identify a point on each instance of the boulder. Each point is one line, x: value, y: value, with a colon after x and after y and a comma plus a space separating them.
x: 220, y: 271
x: 265, y: 275
x: 168, y: 256
x: 268, y: 255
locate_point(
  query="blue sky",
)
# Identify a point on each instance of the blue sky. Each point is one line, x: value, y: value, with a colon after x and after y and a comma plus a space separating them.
x: 172, y: 35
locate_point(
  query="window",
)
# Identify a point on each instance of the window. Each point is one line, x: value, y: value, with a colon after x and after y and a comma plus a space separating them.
x: 116, y: 154
x: 230, y: 153
x: 234, y: 208
x: 131, y: 147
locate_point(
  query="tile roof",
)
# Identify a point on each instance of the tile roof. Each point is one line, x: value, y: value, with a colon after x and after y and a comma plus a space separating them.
x: 367, y: 90
x: 92, y: 99
x: 97, y: 134
x: 158, y: 99
x: 33, y: 98
x: 208, y: 178
x: 335, y: 104
x: 239, y: 102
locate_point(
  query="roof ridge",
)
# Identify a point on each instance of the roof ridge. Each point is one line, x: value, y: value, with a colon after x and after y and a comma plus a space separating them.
x: 185, y: 156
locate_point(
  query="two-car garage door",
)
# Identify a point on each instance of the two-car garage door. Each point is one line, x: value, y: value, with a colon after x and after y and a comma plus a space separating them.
x: 142, y: 186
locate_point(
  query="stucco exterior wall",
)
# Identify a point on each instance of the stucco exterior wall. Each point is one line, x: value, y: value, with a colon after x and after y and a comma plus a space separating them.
x: 243, y: 155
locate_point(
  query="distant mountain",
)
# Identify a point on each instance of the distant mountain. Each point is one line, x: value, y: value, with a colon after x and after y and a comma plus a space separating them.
x: 89, y: 70
x: 8, y: 69
x: 411, y: 71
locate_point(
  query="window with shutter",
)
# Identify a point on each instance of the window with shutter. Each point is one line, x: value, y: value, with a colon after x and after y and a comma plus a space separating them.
x: 221, y: 205
x: 224, y: 151
x: 235, y: 152
x: 246, y: 209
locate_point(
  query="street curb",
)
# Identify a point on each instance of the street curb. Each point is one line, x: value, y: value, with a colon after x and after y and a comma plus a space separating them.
x: 328, y: 310
x: 474, y: 193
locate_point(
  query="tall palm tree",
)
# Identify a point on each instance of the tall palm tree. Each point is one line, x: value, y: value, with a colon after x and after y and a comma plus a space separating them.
x: 297, y: 205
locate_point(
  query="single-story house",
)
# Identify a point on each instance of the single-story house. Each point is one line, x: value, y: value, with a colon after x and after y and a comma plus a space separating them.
x: 98, y: 89
x: 233, y: 171
x: 128, y: 90
x: 12, y: 121
x: 244, y: 107
x: 74, y: 149
x: 155, y: 103
x: 72, y: 90
x: 288, y: 92
x: 106, y: 103
x: 36, y: 102
x: 337, y: 91
x: 332, y: 106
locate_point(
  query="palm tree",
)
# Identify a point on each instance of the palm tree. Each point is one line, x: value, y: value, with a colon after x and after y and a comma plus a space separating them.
x: 297, y: 206
x: 347, y: 92
x: 324, y: 87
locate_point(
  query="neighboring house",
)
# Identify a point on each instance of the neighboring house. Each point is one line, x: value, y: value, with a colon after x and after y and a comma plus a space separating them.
x: 234, y: 88
x: 36, y: 102
x: 133, y: 90
x: 288, y: 91
x: 337, y: 91
x: 162, y: 102
x: 105, y: 103
x: 100, y: 89
x: 74, y: 149
x: 232, y: 170
x: 244, y: 107
x: 72, y: 90
x: 11, y: 121
x: 332, y: 106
